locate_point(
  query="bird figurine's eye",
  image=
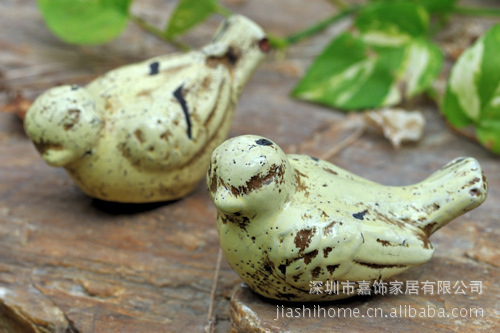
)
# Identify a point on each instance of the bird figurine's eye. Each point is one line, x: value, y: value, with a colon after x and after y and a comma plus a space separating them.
x: 264, y: 45
x: 264, y: 142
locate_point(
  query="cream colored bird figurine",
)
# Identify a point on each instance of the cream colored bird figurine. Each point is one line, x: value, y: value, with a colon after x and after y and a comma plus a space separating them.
x: 287, y: 220
x: 145, y: 132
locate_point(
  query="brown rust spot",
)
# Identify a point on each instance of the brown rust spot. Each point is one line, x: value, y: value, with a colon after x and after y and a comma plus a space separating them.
x: 223, y: 218
x: 475, y: 180
x: 301, y: 174
x: 306, y: 216
x: 139, y: 135
x: 384, y: 242
x: 165, y: 135
x: 205, y: 84
x: 308, y: 257
x: 145, y: 93
x: 474, y: 192
x: 326, y: 251
x: 301, y: 186
x: 332, y: 268
x: 425, y: 239
x: 429, y: 229
x: 315, y: 272
x: 328, y: 229
x: 72, y: 119
x: 229, y: 59
x: 303, y: 238
x: 330, y: 171
x: 108, y: 105
x: 213, y: 181
x: 388, y: 220
x: 241, y: 221
x: 268, y: 268
x: 222, y: 183
x: 257, y: 181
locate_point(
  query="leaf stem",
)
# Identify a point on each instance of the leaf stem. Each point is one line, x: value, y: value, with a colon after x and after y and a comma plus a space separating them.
x: 277, y: 42
x: 157, y: 33
x: 321, y: 25
x: 465, y: 132
x: 476, y: 11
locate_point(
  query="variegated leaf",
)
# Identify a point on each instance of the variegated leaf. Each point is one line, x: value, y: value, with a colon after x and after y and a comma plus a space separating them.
x: 386, y: 62
x: 473, y: 90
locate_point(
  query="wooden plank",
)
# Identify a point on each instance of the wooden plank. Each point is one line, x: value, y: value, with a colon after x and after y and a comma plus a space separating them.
x: 71, y: 263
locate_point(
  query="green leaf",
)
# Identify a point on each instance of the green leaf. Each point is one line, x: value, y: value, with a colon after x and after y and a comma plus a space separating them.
x: 351, y: 74
x: 473, y: 90
x: 85, y: 21
x: 188, y: 14
x: 393, y: 19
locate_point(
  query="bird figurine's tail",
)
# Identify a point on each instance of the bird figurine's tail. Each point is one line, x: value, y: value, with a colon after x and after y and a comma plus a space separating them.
x: 455, y: 189
x: 240, y: 44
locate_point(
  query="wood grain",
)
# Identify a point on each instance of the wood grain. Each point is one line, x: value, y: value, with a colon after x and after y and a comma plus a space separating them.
x: 69, y: 263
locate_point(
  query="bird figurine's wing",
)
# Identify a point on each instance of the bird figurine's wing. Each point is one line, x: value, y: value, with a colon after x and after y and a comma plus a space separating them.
x: 165, y: 110
x: 388, y: 249
x: 346, y: 250
x: 337, y: 235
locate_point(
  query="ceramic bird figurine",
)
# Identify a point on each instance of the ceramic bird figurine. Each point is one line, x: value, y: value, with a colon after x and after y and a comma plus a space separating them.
x: 145, y: 132
x: 287, y: 220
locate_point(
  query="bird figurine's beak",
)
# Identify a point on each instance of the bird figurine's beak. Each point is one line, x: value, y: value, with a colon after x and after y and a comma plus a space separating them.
x: 226, y: 203
x: 58, y: 157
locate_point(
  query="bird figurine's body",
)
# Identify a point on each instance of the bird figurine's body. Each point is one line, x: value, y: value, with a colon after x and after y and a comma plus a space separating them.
x: 285, y: 221
x: 145, y: 132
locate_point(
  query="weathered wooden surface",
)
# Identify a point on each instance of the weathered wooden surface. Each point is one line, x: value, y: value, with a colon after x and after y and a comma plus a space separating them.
x: 69, y: 263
